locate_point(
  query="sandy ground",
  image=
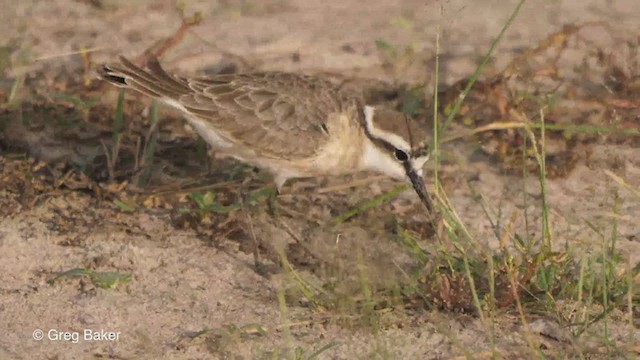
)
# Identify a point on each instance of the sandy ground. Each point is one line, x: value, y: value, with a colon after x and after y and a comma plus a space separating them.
x: 182, y: 282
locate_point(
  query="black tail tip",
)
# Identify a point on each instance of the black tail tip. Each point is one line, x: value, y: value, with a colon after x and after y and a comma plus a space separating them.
x: 106, y: 73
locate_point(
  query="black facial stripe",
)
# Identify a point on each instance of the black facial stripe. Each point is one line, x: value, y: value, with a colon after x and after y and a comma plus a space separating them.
x: 383, y: 144
x: 422, y: 151
x: 414, y: 154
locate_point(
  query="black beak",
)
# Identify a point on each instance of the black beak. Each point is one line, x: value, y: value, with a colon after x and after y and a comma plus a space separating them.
x: 419, y: 187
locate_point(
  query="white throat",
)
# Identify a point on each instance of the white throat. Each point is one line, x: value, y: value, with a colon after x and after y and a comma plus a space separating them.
x: 378, y: 160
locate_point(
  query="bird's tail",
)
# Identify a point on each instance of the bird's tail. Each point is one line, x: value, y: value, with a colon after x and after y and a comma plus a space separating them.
x: 152, y: 81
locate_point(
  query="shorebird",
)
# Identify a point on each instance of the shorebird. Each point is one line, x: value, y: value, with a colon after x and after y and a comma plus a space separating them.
x: 289, y: 124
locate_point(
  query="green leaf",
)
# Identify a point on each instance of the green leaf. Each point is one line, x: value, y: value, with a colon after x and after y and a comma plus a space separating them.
x: 123, y: 206
x: 386, y: 47
x: 104, y: 280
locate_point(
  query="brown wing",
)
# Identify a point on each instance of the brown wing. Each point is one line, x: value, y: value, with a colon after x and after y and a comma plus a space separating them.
x: 277, y: 114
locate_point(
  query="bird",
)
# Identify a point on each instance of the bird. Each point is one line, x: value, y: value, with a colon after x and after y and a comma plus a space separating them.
x: 293, y: 125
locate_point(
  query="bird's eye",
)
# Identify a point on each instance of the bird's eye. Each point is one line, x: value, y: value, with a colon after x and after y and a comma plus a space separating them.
x: 401, y: 155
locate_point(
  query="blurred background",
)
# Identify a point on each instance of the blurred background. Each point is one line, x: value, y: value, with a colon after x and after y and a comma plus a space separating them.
x: 113, y: 215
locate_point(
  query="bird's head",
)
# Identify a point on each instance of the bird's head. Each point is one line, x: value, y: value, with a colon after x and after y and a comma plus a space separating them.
x: 397, y: 147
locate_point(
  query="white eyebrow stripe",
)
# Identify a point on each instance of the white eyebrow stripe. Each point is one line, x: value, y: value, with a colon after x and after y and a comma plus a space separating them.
x: 386, y: 136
